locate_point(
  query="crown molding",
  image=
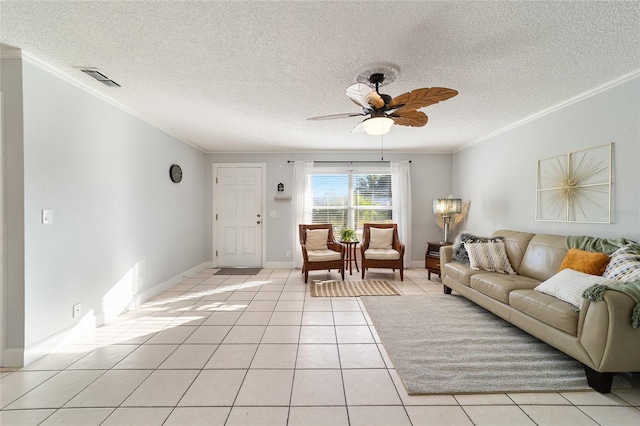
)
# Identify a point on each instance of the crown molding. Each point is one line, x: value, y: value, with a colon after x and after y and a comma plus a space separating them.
x: 81, y: 85
x: 621, y: 80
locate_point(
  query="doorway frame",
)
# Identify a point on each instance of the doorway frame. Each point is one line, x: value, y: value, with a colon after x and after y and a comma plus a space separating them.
x: 214, y: 204
x: 3, y: 242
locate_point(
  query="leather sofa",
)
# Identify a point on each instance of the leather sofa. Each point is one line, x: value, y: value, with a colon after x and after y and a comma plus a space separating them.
x: 600, y: 335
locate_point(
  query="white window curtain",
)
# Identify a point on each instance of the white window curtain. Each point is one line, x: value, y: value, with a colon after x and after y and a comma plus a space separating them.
x: 401, y: 190
x: 301, y: 197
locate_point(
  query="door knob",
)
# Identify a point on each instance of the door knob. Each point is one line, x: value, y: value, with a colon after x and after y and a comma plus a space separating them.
x: 258, y: 214
x: 258, y: 222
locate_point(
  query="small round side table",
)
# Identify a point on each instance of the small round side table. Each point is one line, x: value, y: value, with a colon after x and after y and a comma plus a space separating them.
x: 351, y: 254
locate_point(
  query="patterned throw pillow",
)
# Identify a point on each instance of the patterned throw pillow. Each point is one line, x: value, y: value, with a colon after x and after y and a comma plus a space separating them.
x: 489, y: 257
x: 568, y: 285
x: 460, y: 252
x: 624, y: 264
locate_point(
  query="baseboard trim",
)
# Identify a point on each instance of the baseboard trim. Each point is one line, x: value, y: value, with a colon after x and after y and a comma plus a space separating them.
x: 164, y: 286
x: 18, y: 358
x: 12, y: 357
x: 49, y: 344
x: 278, y: 265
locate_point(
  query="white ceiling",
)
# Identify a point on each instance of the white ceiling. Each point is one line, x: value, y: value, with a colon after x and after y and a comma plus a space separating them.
x: 244, y: 76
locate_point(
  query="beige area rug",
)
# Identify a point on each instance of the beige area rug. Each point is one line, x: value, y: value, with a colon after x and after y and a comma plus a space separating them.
x: 449, y: 345
x: 352, y: 288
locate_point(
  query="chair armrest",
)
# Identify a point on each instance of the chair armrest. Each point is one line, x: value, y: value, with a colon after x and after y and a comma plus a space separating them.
x: 364, y: 244
x: 335, y: 246
x: 304, y: 251
x: 399, y: 247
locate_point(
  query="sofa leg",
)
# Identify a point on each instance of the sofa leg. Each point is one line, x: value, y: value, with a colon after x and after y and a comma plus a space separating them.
x: 601, y: 382
x: 446, y: 289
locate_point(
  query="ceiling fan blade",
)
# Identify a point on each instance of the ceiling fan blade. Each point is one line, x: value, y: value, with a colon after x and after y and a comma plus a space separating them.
x: 421, y: 98
x: 375, y: 100
x: 365, y: 96
x: 358, y: 128
x: 334, y: 116
x: 411, y: 118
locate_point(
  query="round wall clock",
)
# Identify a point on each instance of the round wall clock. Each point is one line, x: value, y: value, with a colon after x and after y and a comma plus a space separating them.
x: 175, y: 172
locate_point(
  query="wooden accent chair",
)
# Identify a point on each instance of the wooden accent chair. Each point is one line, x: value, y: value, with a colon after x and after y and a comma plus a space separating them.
x: 320, y: 250
x: 381, y: 247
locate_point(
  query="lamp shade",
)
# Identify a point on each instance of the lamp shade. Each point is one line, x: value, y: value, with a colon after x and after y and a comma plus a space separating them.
x: 447, y: 206
x: 377, y: 125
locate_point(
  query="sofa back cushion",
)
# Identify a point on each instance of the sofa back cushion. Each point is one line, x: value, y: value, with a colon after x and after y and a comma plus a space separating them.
x: 543, y: 256
x: 515, y: 243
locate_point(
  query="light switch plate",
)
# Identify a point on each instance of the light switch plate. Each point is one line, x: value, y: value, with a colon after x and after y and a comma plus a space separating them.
x: 47, y: 217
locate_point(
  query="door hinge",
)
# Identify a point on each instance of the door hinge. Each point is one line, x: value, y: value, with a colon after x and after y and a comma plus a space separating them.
x: 216, y: 180
x: 216, y: 216
x: 216, y: 253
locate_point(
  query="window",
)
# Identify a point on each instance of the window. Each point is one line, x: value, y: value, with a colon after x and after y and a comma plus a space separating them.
x: 350, y: 198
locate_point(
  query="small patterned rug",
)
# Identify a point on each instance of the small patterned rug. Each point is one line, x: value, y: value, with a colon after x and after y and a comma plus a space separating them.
x: 352, y: 288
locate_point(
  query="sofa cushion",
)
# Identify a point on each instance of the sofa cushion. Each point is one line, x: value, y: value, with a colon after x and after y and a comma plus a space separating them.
x: 568, y: 285
x: 515, y: 243
x: 545, y: 308
x: 460, y: 272
x: 380, y: 238
x: 585, y: 261
x: 489, y: 257
x: 323, y: 255
x: 381, y: 254
x: 317, y: 239
x: 460, y: 252
x: 624, y: 265
x: 498, y: 286
x: 543, y: 256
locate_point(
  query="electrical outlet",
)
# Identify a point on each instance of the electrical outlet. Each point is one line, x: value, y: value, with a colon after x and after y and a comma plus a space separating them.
x: 288, y: 254
x: 77, y: 310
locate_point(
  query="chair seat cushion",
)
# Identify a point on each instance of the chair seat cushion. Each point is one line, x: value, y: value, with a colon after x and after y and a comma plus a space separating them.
x: 381, y: 254
x: 323, y: 255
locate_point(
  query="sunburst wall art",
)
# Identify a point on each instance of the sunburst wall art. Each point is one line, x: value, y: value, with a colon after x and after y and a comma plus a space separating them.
x: 575, y: 187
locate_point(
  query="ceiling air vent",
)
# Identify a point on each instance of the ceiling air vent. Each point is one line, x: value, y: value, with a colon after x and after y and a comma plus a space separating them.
x: 95, y: 73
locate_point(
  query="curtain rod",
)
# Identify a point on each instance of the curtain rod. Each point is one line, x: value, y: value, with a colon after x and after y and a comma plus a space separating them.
x: 348, y: 162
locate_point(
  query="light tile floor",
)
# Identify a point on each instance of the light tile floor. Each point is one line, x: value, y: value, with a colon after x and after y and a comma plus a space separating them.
x: 242, y: 350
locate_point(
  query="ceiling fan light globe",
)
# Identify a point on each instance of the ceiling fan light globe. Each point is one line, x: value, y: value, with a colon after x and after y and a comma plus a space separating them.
x: 377, y: 125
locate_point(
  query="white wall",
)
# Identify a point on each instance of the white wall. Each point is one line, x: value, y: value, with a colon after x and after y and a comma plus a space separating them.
x: 120, y: 226
x: 499, y: 175
x: 430, y: 178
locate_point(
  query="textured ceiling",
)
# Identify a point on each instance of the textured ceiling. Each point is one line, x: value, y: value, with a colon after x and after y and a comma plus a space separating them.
x: 244, y: 76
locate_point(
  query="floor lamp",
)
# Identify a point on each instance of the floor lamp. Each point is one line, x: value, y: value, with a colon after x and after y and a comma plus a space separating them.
x: 447, y: 207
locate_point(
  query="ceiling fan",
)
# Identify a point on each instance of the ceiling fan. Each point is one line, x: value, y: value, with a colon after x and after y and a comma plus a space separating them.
x: 385, y: 111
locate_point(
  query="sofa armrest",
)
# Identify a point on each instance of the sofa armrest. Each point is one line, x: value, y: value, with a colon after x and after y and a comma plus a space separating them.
x: 607, y: 335
x: 446, y: 254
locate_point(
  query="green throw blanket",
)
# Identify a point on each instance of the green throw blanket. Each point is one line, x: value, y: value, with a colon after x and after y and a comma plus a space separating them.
x: 598, y: 245
x: 632, y: 289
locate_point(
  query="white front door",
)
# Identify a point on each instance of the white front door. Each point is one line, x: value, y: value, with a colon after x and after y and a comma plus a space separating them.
x: 239, y: 216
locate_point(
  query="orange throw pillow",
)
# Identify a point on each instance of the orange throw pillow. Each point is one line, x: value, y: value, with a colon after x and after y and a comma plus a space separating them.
x: 585, y: 261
